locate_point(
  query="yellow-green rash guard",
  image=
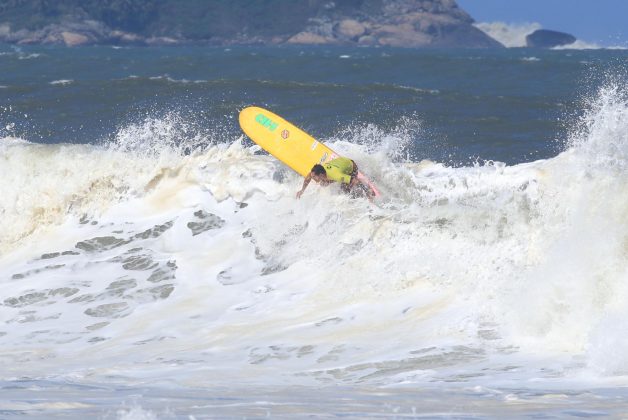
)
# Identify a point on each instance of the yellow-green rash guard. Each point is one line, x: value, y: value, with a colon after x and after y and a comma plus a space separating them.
x: 339, y: 169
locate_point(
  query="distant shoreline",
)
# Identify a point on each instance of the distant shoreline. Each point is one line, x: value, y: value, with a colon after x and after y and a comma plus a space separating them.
x: 396, y: 23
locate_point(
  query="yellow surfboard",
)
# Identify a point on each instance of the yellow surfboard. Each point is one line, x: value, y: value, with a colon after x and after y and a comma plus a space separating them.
x: 287, y: 142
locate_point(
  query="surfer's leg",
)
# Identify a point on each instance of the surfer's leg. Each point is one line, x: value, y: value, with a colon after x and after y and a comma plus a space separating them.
x: 354, y: 177
x: 346, y: 188
x: 354, y: 172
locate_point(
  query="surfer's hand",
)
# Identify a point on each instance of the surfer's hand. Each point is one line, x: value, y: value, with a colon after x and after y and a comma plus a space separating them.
x: 299, y: 193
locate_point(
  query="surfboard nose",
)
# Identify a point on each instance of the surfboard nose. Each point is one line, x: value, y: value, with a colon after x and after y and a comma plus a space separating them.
x: 247, y: 114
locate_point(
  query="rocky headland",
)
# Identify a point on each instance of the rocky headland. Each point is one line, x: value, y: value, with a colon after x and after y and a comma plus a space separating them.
x: 395, y: 23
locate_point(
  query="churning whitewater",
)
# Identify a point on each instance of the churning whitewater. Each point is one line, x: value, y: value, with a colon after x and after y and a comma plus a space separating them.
x: 153, y: 261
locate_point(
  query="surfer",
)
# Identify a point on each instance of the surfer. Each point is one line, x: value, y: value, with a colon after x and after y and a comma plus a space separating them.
x: 343, y: 170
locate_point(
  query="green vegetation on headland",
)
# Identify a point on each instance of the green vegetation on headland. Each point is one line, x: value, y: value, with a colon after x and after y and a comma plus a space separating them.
x: 403, y: 23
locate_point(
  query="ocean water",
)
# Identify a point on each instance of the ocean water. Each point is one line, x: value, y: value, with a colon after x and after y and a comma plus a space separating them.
x: 154, y: 263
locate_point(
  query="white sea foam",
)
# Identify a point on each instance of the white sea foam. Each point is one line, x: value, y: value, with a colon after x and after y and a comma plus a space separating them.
x: 170, y: 79
x: 136, y: 413
x: 62, y: 82
x: 5, y: 141
x: 579, y: 45
x: 583, y: 45
x: 21, y: 55
x: 28, y: 56
x: 136, y: 262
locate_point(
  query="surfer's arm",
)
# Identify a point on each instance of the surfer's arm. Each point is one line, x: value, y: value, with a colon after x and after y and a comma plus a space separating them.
x: 306, y: 182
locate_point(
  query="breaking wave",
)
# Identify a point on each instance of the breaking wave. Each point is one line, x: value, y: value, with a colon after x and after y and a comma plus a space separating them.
x: 151, y: 256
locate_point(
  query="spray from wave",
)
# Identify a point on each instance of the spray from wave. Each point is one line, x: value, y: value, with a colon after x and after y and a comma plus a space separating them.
x: 580, y: 45
x: 510, y: 35
x: 513, y: 35
x: 571, y: 298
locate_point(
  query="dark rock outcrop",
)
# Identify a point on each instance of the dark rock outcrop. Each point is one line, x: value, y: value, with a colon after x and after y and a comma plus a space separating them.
x: 397, y: 23
x: 543, y: 38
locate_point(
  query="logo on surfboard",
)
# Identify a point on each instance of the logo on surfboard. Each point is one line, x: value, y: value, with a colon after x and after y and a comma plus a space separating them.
x: 266, y: 122
x: 285, y: 134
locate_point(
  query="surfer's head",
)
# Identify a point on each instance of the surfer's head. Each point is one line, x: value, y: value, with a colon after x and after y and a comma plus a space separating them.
x: 318, y: 170
x: 318, y: 173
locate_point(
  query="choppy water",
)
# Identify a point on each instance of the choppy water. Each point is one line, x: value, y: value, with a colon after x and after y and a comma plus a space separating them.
x: 155, y: 264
